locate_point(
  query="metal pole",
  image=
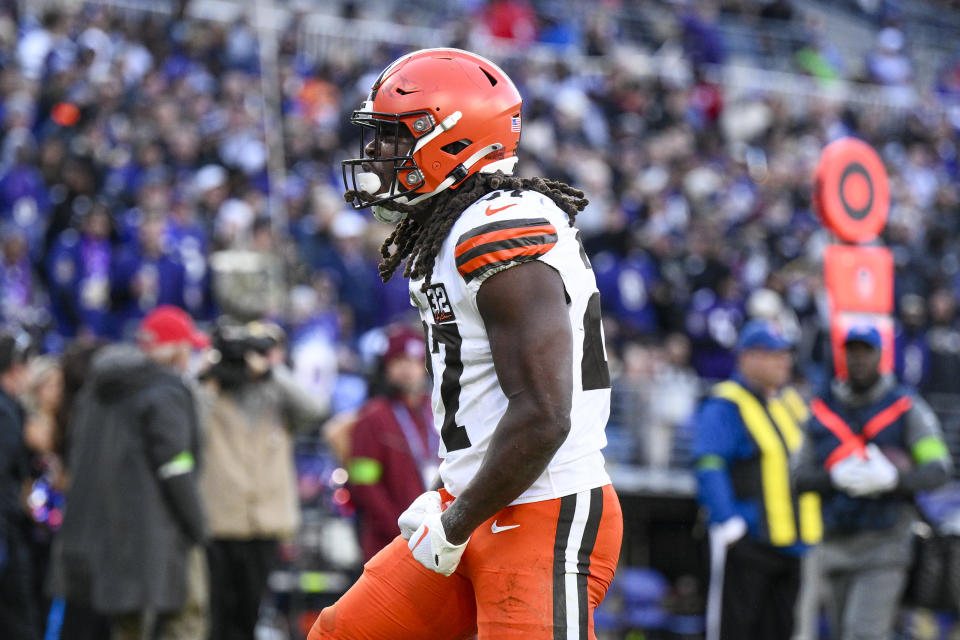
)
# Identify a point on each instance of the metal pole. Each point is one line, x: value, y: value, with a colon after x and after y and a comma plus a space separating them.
x: 272, y: 116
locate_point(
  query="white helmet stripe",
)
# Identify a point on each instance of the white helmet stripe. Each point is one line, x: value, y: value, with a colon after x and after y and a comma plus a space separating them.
x: 445, y: 125
x: 472, y: 160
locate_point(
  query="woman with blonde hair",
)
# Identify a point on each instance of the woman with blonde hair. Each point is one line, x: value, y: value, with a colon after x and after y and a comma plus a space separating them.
x: 42, y: 435
x: 42, y: 401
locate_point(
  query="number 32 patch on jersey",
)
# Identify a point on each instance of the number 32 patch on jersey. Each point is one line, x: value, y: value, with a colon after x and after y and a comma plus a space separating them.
x: 440, y: 304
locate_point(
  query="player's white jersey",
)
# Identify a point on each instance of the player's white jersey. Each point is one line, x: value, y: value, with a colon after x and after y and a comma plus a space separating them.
x: 503, y: 229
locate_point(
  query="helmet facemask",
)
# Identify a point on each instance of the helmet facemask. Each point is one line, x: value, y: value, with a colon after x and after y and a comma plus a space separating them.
x: 393, y: 146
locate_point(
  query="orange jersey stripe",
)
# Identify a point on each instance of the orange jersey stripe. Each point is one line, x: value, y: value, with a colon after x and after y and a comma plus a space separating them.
x: 504, y: 255
x: 504, y: 234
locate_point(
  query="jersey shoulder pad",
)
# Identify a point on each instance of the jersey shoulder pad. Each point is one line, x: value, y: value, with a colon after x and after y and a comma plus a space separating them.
x: 502, y: 229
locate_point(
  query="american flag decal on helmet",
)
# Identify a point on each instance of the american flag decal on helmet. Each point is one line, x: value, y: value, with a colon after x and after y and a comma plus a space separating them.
x: 515, y: 124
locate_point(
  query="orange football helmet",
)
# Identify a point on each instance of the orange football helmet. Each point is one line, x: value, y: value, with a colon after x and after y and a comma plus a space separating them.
x: 462, y: 114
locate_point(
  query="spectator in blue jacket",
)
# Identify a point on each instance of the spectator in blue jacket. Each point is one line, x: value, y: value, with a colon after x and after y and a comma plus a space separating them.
x: 712, y: 320
x: 146, y: 275
x: 24, y: 199
x: 78, y: 272
x: 22, y: 297
x: 911, y: 352
x: 188, y: 240
x: 627, y: 288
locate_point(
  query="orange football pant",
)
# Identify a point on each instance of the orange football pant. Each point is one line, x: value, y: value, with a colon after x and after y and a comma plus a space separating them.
x: 534, y: 571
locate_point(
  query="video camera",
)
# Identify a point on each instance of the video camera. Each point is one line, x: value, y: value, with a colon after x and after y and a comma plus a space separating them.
x: 239, y: 352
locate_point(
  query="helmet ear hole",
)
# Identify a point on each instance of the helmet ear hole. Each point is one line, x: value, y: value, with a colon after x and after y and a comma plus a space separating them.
x: 456, y: 147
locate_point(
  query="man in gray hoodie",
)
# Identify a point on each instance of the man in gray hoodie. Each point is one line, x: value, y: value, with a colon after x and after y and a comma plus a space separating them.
x: 872, y: 444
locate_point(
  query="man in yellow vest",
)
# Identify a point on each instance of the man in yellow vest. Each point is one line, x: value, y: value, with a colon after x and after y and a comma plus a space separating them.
x: 747, y: 431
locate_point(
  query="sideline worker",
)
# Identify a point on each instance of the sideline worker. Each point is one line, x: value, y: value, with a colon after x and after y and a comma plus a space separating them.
x: 872, y: 444
x: 759, y: 526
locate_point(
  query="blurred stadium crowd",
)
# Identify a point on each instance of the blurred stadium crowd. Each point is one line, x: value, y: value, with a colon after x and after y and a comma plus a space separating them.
x: 134, y: 172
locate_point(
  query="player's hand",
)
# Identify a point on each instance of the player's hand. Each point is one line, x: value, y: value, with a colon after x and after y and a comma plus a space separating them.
x: 430, y: 547
x: 411, y: 519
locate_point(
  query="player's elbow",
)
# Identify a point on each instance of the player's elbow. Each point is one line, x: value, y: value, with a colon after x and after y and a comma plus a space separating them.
x: 552, y: 425
x: 542, y: 416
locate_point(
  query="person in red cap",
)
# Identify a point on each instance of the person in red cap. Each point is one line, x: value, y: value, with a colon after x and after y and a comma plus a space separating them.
x: 169, y: 336
x: 131, y: 543
x: 393, y: 448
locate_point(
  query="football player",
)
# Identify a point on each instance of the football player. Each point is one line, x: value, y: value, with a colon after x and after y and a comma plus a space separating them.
x: 522, y: 538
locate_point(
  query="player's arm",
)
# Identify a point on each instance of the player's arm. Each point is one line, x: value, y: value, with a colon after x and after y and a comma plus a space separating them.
x: 525, y: 312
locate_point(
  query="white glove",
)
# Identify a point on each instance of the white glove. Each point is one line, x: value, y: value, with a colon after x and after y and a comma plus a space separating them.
x: 849, y: 473
x: 860, y: 477
x: 411, y: 519
x: 729, y: 531
x: 430, y: 547
x: 882, y: 472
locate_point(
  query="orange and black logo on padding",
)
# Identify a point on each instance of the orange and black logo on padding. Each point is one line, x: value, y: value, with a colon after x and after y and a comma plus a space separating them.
x: 851, y: 191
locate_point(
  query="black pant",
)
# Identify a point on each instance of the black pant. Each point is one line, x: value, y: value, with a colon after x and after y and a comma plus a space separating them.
x: 760, y: 586
x: 238, y: 576
x: 80, y: 622
x: 18, y: 614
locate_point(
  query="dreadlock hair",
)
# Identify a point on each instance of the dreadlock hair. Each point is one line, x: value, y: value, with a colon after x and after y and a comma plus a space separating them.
x: 419, y: 244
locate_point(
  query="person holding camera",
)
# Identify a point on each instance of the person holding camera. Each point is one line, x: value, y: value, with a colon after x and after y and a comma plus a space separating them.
x: 249, y: 480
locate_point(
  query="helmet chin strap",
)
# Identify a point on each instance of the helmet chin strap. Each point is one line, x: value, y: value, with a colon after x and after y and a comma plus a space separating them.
x: 506, y: 165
